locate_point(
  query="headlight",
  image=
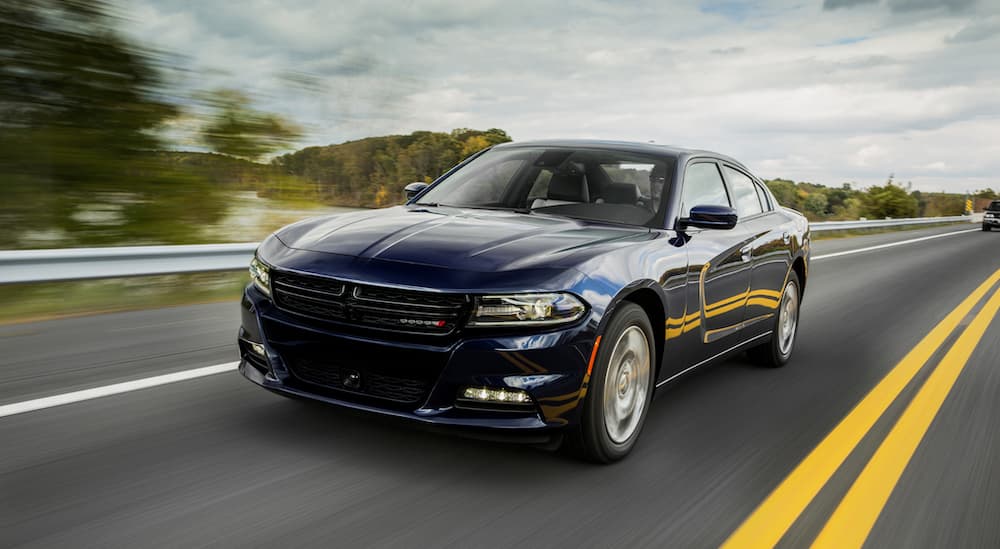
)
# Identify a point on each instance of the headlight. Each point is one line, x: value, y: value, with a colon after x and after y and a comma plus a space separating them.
x: 260, y: 273
x: 526, y: 310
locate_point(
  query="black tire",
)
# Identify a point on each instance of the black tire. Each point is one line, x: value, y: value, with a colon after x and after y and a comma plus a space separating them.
x: 987, y: 228
x: 771, y: 353
x: 592, y: 439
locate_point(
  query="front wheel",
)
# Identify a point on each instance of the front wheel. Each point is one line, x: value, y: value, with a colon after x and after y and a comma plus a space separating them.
x: 987, y: 227
x: 776, y: 352
x: 620, y: 389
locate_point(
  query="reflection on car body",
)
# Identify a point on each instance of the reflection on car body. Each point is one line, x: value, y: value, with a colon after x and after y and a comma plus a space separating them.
x: 541, y: 290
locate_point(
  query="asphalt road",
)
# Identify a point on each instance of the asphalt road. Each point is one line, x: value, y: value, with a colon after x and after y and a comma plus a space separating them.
x: 217, y: 461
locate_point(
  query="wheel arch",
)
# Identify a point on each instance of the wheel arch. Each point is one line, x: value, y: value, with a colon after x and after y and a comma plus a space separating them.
x: 650, y: 297
x: 800, y: 268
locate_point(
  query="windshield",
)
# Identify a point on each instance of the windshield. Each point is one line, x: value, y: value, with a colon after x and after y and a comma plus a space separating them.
x: 595, y: 184
x: 994, y: 206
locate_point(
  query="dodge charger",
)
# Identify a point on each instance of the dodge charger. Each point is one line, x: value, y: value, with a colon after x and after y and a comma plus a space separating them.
x: 538, y: 290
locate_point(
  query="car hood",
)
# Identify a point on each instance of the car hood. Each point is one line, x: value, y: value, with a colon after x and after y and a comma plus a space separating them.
x: 458, y: 238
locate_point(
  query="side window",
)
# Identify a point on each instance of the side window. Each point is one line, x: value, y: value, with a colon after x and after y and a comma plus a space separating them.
x: 703, y: 186
x: 762, y: 195
x: 744, y: 193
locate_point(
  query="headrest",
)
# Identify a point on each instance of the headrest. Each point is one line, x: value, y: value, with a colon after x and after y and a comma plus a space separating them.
x: 571, y: 187
x: 621, y: 193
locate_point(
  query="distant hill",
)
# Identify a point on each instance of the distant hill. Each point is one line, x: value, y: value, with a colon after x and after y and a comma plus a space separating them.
x: 369, y: 172
x: 373, y: 171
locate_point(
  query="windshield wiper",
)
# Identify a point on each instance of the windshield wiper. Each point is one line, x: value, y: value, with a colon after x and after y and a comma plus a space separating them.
x: 498, y: 208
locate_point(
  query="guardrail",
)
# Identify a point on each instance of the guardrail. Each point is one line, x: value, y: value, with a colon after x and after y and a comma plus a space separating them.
x: 88, y: 263
x: 18, y: 266
x: 879, y: 223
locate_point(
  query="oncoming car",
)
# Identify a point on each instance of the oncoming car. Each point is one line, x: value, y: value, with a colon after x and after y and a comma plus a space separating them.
x: 539, y: 290
x: 991, y: 217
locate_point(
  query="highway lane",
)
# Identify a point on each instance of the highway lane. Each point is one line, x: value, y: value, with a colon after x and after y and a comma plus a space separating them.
x: 217, y: 461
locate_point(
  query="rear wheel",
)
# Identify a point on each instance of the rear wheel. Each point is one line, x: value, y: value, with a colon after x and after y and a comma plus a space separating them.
x: 776, y: 352
x: 621, y: 387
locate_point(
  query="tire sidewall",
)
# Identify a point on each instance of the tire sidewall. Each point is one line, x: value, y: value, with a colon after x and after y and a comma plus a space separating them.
x: 779, y: 358
x: 598, y: 443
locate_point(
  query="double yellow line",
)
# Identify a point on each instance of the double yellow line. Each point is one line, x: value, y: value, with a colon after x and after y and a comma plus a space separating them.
x: 857, y: 512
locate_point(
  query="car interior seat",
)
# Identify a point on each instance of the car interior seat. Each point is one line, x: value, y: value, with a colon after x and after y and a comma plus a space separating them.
x: 564, y: 188
x: 621, y: 193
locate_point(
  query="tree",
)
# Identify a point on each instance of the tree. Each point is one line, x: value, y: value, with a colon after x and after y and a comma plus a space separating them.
x: 80, y: 106
x: 785, y: 192
x: 237, y: 129
x: 816, y: 204
x: 890, y: 201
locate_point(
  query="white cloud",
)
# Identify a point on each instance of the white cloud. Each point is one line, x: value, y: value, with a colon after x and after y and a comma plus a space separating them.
x: 793, y: 90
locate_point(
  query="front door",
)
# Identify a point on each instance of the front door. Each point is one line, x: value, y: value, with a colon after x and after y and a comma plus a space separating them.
x: 719, y: 268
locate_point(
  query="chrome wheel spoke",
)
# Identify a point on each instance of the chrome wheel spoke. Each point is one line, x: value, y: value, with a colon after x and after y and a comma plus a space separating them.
x: 626, y: 384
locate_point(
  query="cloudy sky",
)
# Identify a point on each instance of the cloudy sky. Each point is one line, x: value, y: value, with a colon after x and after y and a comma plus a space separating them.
x: 820, y: 90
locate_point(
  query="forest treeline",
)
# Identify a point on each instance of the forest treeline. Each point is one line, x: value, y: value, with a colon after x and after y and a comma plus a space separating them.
x: 846, y: 202
x: 371, y: 172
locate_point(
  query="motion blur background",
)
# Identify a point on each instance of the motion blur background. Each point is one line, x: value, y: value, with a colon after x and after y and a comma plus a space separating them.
x: 173, y: 122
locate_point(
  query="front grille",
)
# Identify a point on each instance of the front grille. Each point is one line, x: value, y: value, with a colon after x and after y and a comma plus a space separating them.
x: 372, y: 384
x: 372, y: 306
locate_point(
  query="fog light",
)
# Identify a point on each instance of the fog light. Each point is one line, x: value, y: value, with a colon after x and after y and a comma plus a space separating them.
x: 486, y: 394
x: 257, y: 348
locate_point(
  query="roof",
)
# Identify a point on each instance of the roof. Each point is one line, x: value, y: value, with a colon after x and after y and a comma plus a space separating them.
x: 628, y: 146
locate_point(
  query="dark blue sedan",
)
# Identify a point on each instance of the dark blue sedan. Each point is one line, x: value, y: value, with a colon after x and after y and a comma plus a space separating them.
x: 540, y: 290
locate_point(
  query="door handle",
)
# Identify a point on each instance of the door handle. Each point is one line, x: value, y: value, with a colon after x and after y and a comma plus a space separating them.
x: 745, y: 253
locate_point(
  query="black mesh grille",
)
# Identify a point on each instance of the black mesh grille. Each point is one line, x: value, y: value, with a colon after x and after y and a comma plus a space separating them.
x: 373, y: 306
x: 358, y: 381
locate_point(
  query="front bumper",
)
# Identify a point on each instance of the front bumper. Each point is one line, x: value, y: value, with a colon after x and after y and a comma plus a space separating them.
x: 992, y: 221
x: 549, y: 365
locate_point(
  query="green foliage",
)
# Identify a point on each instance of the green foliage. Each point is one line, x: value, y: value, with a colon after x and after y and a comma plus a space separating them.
x: 372, y: 171
x: 821, y: 203
x: 237, y: 129
x: 79, y: 106
x: 890, y: 201
x: 816, y: 204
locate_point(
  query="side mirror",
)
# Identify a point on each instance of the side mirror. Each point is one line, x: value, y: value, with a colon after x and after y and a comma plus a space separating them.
x: 711, y: 217
x: 413, y: 189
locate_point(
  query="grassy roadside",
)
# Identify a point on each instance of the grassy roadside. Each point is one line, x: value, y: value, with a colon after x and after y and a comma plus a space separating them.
x: 43, y: 301
x: 32, y: 302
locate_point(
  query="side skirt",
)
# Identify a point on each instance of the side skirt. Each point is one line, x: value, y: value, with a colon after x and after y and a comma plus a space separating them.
x: 731, y: 350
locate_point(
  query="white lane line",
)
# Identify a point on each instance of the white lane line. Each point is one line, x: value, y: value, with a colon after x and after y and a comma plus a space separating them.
x: 114, y: 389
x: 891, y: 244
